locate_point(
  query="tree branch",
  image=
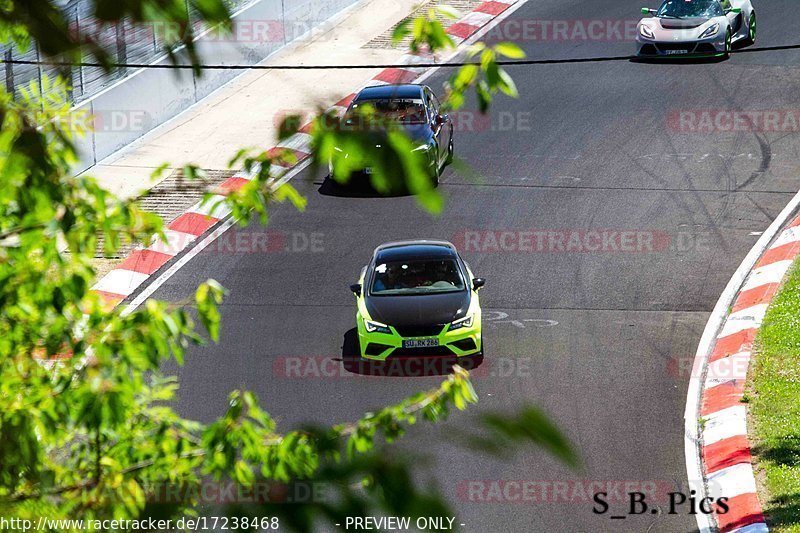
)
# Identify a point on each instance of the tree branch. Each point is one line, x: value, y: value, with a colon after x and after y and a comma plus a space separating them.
x: 21, y: 229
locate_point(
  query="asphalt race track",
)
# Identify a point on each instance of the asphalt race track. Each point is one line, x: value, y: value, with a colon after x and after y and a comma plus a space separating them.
x: 595, y: 338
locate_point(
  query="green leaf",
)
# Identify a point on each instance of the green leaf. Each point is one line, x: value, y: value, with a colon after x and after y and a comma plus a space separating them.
x: 401, y: 31
x: 533, y: 426
x: 431, y: 201
x: 158, y: 172
x: 509, y: 49
x: 506, y: 84
x: 475, y: 49
x: 484, y: 96
x: 289, y: 125
x: 207, y: 298
x: 193, y: 172
x: 448, y: 11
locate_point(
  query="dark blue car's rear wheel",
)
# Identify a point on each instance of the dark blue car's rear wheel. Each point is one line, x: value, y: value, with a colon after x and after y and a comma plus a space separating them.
x: 450, y: 150
x: 433, y: 168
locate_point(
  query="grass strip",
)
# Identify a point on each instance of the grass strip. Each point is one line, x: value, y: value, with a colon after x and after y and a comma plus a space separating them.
x: 774, y: 398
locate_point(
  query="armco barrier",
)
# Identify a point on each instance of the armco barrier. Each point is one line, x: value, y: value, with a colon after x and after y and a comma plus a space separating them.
x: 161, y: 94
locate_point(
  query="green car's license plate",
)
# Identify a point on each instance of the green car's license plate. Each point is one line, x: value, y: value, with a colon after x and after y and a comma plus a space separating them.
x: 421, y: 343
x: 676, y: 52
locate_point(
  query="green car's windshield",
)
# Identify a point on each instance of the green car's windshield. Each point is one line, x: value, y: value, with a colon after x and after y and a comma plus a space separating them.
x: 416, y: 277
x: 683, y: 9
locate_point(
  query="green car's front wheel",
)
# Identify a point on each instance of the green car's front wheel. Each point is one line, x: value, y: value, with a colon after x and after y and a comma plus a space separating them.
x: 728, y: 45
x: 751, y: 29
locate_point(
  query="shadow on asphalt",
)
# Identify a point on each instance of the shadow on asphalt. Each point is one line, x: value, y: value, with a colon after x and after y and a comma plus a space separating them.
x: 677, y: 60
x: 359, y: 187
x: 401, y: 367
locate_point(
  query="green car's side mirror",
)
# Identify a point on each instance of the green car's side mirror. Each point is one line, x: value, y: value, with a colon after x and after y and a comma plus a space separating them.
x: 477, y: 283
x: 646, y: 11
x: 356, y: 288
x: 736, y: 10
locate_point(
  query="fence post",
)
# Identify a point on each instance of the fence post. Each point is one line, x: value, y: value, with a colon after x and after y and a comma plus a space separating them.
x: 9, y: 56
x: 40, y: 75
x: 79, y: 69
x: 122, y: 46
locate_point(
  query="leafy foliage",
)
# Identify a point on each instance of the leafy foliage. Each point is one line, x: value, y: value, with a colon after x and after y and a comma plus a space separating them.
x: 94, y: 434
x: 44, y: 22
x: 426, y: 32
x: 486, y: 76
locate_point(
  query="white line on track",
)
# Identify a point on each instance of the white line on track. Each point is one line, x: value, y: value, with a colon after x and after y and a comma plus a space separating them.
x: 199, y: 247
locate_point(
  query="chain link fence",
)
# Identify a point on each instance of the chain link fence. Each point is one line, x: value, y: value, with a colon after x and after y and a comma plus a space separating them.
x: 125, y: 41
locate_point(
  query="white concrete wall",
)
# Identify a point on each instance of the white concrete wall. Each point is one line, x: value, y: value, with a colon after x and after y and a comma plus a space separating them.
x: 150, y: 97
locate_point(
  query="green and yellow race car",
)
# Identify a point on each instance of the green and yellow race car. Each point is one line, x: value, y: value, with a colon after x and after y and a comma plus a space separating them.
x: 418, y: 298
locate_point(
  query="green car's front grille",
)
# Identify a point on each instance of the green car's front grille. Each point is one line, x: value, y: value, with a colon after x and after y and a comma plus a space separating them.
x: 375, y: 348
x: 420, y: 331
x: 464, y: 344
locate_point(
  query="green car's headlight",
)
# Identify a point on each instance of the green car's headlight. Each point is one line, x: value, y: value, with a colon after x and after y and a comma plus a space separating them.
x: 465, y: 322
x: 376, y: 327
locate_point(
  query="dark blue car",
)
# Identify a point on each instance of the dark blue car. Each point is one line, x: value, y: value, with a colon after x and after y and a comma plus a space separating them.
x: 416, y: 110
